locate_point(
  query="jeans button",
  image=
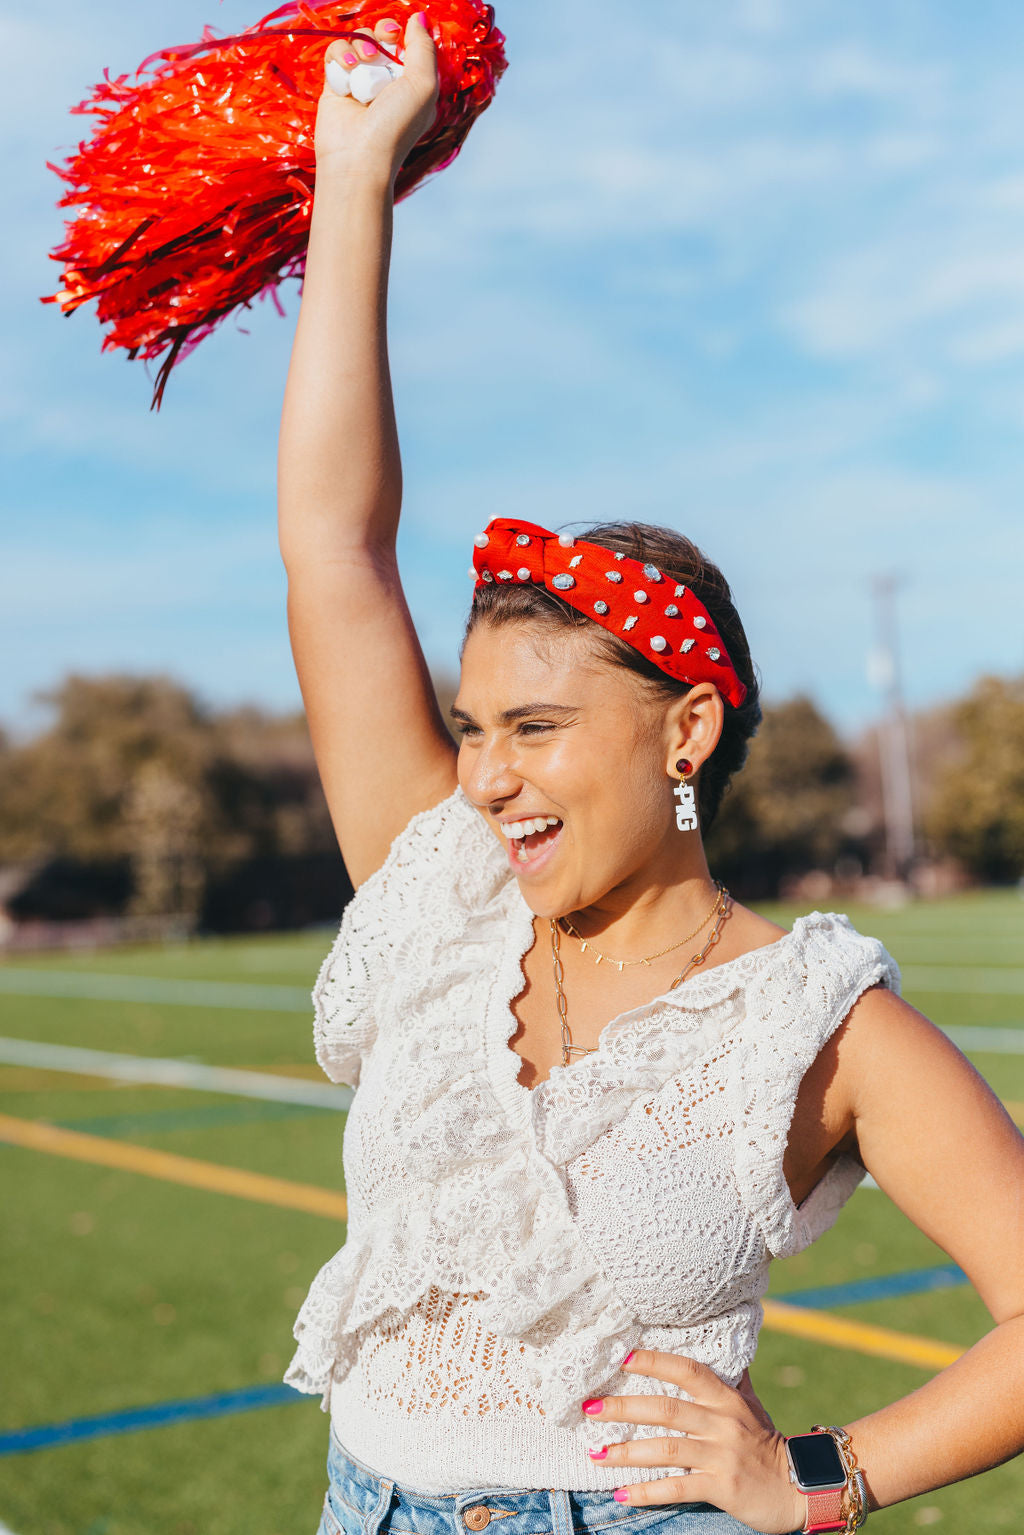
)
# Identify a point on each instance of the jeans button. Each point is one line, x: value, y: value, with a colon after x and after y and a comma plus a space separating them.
x: 477, y: 1518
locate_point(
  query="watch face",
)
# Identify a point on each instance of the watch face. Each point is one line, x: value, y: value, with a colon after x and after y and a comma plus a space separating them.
x: 816, y: 1461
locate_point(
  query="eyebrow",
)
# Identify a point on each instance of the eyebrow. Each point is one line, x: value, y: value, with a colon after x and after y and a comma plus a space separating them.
x: 509, y: 716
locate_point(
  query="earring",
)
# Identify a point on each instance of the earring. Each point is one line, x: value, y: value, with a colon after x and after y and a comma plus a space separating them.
x: 686, y: 811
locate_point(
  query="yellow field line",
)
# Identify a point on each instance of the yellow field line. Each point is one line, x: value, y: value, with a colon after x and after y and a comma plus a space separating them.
x: 861, y: 1337
x: 173, y: 1169
x: 33, y: 1079
x: 797, y: 1321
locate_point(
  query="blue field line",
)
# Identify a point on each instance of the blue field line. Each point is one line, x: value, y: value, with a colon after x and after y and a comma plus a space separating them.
x: 159, y: 1415
x: 48, y: 1435
x: 944, y: 1276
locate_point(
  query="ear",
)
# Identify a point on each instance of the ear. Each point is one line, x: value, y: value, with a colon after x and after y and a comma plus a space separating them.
x: 693, y: 726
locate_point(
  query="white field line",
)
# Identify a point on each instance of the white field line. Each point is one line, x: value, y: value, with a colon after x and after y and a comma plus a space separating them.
x: 995, y: 980
x: 972, y: 1037
x: 171, y: 1073
x: 149, y: 988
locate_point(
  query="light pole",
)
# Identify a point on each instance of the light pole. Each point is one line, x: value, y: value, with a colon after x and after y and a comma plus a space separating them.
x: 893, y: 739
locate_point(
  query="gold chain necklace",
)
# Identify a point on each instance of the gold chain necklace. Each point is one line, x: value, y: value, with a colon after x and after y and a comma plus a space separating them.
x: 719, y: 911
x: 624, y: 964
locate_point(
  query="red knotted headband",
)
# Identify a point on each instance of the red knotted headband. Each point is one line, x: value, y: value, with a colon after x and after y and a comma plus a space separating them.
x: 661, y: 617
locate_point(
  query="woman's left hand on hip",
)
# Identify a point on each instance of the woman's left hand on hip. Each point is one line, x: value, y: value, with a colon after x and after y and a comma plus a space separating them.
x: 733, y: 1456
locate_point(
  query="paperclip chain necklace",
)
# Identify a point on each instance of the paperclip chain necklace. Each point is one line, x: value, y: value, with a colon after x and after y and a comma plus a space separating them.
x: 719, y: 911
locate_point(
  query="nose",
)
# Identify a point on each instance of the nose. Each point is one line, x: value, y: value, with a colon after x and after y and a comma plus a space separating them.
x: 488, y: 774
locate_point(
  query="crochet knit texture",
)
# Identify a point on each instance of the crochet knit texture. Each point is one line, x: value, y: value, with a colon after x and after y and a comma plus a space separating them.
x: 506, y: 1248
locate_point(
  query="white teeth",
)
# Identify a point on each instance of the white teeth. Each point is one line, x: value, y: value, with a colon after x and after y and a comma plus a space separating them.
x: 522, y: 855
x: 515, y: 829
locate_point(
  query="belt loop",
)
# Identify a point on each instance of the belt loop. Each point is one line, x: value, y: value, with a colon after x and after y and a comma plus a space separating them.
x: 375, y: 1518
x: 561, y: 1511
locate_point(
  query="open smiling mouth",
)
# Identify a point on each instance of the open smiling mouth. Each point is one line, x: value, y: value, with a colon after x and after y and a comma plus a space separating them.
x: 529, y: 838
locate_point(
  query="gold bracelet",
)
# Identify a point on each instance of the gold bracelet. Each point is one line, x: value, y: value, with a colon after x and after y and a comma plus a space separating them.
x: 855, y: 1491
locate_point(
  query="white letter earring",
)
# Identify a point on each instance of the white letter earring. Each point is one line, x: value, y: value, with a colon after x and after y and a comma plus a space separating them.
x: 686, y: 811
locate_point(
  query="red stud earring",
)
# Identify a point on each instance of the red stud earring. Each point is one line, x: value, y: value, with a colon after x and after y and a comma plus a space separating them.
x: 687, y: 818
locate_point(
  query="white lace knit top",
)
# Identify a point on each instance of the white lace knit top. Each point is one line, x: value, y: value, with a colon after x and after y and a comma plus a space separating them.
x: 506, y: 1248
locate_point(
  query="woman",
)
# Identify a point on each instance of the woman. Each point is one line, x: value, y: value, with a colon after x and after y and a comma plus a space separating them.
x: 596, y: 1096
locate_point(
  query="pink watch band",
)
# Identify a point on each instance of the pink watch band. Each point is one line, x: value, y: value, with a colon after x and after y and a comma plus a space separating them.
x: 825, y: 1511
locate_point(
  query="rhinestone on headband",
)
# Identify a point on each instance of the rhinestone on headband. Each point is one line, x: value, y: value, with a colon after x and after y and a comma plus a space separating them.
x: 563, y: 583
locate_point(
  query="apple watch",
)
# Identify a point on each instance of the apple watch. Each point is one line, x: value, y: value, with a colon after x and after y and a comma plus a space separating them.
x: 817, y: 1468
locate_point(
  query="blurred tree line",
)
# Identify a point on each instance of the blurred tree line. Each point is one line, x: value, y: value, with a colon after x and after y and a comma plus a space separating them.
x: 138, y: 800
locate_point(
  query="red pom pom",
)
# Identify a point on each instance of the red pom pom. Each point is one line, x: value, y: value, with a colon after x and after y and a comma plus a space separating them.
x: 196, y: 186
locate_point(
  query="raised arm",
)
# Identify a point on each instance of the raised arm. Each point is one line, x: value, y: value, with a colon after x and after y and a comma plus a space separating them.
x: 381, y: 746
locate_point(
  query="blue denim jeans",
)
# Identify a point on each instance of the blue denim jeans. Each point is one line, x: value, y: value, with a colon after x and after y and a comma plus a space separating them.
x: 359, y: 1502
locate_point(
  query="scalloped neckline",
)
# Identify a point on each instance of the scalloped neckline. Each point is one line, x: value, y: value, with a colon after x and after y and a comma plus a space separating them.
x: 518, y: 943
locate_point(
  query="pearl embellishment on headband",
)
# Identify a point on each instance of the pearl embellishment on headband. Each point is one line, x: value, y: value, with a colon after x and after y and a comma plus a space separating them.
x: 566, y: 540
x: 523, y: 573
x: 639, y: 596
x: 659, y: 642
x: 699, y: 622
x: 481, y: 540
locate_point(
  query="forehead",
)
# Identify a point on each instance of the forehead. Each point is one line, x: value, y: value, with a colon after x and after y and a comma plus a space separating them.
x: 508, y: 664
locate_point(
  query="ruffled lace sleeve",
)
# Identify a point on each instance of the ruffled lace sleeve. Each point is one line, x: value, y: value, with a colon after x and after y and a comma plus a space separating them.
x: 794, y: 1011
x: 442, y: 865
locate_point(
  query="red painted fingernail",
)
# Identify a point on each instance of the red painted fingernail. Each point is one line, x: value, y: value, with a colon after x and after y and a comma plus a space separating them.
x: 620, y: 1495
x: 366, y: 49
x: 598, y: 1454
x: 421, y: 17
x: 350, y: 58
x: 593, y: 1404
x: 391, y: 26
x: 628, y: 1357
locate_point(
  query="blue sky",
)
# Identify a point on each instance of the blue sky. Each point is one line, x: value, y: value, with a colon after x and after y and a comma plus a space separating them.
x: 754, y: 270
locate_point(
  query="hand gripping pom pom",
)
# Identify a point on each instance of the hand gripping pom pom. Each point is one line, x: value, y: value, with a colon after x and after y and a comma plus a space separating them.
x: 196, y: 188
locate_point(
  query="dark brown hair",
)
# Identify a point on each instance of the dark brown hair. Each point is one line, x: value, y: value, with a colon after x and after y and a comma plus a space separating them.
x: 680, y: 560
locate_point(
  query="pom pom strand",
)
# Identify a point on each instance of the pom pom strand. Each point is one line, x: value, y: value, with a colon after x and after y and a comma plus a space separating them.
x: 195, y: 190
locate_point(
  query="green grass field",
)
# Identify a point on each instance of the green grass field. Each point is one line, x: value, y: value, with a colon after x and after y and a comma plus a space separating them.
x: 119, y: 1290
